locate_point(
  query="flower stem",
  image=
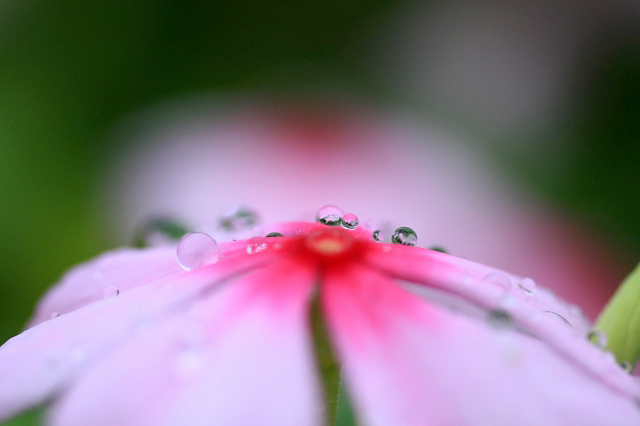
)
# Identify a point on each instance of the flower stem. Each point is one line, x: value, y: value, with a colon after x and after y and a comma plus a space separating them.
x: 620, y: 320
x: 328, y: 366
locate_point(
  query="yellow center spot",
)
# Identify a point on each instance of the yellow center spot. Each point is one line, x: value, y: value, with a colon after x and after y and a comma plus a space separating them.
x: 329, y: 242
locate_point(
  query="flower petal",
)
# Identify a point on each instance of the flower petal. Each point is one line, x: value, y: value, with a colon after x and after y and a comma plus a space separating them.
x: 41, y: 360
x: 407, y: 362
x: 122, y: 269
x: 241, y: 357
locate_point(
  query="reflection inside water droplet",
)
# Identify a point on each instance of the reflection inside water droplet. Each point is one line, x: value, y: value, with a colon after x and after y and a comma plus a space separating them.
x: 528, y: 286
x: 330, y: 215
x: 438, y: 248
x: 597, y: 337
x: 378, y: 235
x: 195, y: 250
x: 274, y: 234
x: 405, y: 236
x: 350, y: 221
x: 110, y: 292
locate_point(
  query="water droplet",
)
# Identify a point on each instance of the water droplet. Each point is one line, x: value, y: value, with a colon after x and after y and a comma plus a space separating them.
x: 196, y: 250
x: 159, y: 231
x: 558, y: 318
x: 350, y: 221
x: 274, y: 234
x: 405, y: 236
x: 240, y: 220
x: 378, y: 235
x: 330, y: 215
x: 438, y: 248
x: 499, y: 279
x: 500, y: 319
x: 110, y: 292
x: 528, y: 285
x: 626, y: 366
x: 597, y: 337
x: 255, y: 247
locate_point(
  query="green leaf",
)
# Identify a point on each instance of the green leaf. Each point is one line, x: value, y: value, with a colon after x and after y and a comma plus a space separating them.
x: 620, y: 320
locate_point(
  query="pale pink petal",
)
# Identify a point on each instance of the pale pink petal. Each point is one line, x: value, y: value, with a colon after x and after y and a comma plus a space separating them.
x: 408, y: 362
x: 241, y: 357
x: 122, y: 269
x: 40, y: 361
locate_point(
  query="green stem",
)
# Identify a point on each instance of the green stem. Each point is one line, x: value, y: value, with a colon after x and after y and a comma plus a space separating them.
x: 327, y: 363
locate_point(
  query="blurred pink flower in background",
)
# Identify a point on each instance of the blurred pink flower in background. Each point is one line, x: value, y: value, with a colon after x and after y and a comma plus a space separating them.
x: 198, y: 162
x: 423, y: 338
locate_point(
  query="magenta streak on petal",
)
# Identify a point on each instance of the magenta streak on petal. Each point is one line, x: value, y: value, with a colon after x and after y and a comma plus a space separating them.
x: 418, y: 364
x: 242, y: 356
x: 40, y: 361
x: 464, y: 278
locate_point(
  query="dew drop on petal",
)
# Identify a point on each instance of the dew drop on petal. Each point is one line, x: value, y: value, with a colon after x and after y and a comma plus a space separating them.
x: 330, y: 215
x: 500, y: 319
x: 558, y: 318
x: 499, y: 279
x: 597, y: 337
x: 528, y: 286
x: 350, y: 221
x: 197, y: 249
x: 626, y: 366
x: 405, y: 236
x: 240, y: 220
x: 159, y: 231
x: 378, y: 235
x: 274, y: 234
x: 110, y: 292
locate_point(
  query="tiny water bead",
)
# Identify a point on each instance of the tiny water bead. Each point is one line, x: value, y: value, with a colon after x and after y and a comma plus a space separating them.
x: 597, y: 337
x: 350, y: 221
x: 158, y: 231
x: 240, y: 220
x: 528, y: 285
x: 110, y: 292
x: 330, y: 215
x: 274, y: 234
x: 197, y: 249
x: 627, y: 366
x: 405, y: 236
x: 378, y: 235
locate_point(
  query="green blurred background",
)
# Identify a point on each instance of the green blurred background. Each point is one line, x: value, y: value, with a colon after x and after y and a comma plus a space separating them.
x: 69, y: 71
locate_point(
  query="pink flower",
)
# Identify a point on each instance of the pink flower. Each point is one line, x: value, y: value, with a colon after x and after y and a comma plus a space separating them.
x: 424, y: 338
x: 276, y: 157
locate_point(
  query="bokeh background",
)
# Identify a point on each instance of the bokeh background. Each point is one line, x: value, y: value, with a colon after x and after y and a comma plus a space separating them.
x: 548, y: 93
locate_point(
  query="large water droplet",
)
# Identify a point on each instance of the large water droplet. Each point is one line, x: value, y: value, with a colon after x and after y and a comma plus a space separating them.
x: 110, y: 292
x: 197, y: 249
x: 330, y: 215
x: 350, y: 221
x: 240, y: 220
x: 598, y: 337
x: 528, y: 286
x: 500, y: 319
x: 378, y: 235
x: 405, y: 236
x: 159, y: 231
x: 274, y: 234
